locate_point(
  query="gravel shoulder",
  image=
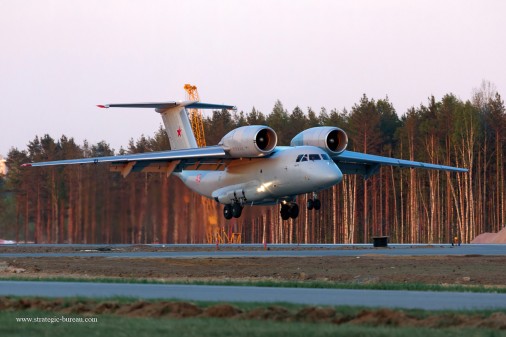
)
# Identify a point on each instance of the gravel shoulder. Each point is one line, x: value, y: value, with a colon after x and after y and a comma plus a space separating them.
x: 441, y: 270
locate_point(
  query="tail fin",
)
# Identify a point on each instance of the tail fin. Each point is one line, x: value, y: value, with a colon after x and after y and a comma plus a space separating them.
x: 175, y: 119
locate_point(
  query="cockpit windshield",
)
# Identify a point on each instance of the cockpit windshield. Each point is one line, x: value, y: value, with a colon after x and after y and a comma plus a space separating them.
x: 312, y: 157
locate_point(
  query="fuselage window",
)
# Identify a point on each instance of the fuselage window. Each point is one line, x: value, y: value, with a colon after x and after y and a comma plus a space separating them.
x: 314, y: 157
x: 325, y: 157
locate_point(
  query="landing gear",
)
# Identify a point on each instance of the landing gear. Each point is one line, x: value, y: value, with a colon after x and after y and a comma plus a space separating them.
x: 227, y: 212
x: 317, y: 204
x: 289, y: 211
x: 232, y: 211
x: 314, y: 203
x: 236, y: 210
x: 284, y: 212
x: 294, y: 211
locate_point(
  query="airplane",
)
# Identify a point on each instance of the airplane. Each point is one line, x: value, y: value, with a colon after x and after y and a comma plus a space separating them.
x: 247, y: 167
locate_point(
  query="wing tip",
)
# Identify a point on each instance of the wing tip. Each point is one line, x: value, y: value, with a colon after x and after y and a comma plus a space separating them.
x: 26, y: 165
x: 102, y: 106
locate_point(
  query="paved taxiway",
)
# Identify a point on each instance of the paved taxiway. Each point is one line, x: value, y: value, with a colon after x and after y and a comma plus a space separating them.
x: 209, y: 251
x: 334, y: 297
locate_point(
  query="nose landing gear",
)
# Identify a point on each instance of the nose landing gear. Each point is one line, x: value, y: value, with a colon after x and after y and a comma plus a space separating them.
x: 314, y: 203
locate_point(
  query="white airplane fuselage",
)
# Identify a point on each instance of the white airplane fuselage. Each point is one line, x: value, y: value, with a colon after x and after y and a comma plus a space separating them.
x: 267, y: 180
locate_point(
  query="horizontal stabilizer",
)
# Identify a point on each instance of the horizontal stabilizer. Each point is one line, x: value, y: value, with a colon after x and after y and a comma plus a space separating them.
x: 198, y: 105
x: 168, y: 105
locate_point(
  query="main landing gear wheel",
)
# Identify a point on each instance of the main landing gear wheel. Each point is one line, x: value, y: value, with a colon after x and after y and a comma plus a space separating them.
x: 293, y: 211
x: 284, y: 212
x: 289, y: 211
x: 227, y: 212
x: 317, y: 204
x: 236, y: 210
x: 232, y: 211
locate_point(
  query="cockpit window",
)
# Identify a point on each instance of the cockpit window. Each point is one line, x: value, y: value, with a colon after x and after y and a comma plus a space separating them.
x: 313, y: 157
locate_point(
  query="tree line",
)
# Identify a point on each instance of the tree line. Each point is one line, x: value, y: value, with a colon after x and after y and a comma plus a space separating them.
x: 89, y: 204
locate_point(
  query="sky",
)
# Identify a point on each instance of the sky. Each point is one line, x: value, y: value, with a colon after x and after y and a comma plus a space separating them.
x: 60, y: 58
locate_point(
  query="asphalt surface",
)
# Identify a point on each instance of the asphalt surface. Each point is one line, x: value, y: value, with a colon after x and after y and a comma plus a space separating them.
x: 333, y: 297
x: 366, y: 298
x: 237, y: 251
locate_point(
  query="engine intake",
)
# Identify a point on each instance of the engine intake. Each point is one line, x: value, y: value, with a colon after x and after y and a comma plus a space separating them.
x: 331, y: 139
x: 250, y: 141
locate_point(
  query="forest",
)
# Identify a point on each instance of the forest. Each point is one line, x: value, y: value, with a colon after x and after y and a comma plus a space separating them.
x: 89, y: 204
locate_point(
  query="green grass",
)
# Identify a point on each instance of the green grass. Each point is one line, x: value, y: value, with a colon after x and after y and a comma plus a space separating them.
x: 247, y: 306
x: 280, y: 283
x: 209, y: 327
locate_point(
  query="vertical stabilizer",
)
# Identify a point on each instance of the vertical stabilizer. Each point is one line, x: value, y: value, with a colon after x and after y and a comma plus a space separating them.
x: 178, y: 128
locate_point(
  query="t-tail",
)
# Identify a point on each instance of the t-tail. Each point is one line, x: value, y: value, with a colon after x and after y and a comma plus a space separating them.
x: 175, y: 118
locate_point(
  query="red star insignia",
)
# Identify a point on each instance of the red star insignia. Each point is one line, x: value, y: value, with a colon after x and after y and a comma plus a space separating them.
x: 179, y: 132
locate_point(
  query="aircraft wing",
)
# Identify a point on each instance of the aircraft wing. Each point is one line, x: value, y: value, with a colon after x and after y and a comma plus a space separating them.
x: 211, y: 157
x: 367, y: 164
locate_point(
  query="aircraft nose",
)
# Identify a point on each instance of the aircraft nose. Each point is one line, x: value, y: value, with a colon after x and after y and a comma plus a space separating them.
x: 329, y: 175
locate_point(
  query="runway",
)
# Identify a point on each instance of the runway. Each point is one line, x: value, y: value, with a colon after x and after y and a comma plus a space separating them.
x: 334, y: 297
x: 238, y: 251
x: 331, y: 297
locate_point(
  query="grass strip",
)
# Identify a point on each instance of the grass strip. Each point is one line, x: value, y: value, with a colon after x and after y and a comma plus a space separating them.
x: 386, y: 322
x: 211, y: 327
x: 277, y: 283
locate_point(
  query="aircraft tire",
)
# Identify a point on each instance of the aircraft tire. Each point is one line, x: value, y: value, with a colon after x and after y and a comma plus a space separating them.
x: 285, y: 212
x: 294, y: 211
x: 317, y: 204
x: 236, y: 210
x: 310, y: 204
x: 227, y: 212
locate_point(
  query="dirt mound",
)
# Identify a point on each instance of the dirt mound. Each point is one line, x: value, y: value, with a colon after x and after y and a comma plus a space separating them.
x: 501, y: 236
x: 315, y: 314
x: 164, y: 309
x: 274, y: 313
x: 156, y: 309
x: 497, y: 238
x: 221, y: 311
x: 484, y: 238
x: 495, y: 321
x: 383, y: 317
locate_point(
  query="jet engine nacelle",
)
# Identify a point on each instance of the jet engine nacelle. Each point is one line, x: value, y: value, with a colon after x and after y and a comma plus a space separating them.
x: 250, y: 141
x: 329, y: 138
